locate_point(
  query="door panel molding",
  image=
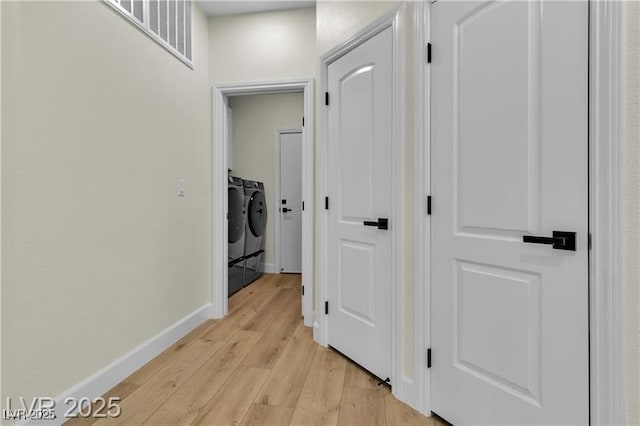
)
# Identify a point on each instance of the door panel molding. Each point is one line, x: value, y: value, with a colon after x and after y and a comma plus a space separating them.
x: 421, y: 400
x: 606, y: 208
x: 402, y: 386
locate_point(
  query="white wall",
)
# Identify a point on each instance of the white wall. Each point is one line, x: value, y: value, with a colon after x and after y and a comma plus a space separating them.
x: 99, y: 254
x: 632, y: 211
x: 263, y: 46
x: 255, y: 120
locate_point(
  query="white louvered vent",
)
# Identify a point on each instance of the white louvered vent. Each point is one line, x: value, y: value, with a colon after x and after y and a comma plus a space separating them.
x: 166, y: 21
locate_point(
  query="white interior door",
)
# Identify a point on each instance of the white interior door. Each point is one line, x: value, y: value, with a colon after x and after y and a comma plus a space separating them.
x: 360, y: 190
x: 509, y: 147
x: 291, y: 202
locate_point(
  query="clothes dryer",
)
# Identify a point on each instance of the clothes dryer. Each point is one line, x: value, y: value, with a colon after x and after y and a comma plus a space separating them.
x: 256, y: 224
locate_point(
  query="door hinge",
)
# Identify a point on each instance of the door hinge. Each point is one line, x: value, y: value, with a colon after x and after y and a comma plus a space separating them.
x: 303, y: 290
x: 326, y: 307
x: 429, y: 358
x: 326, y: 203
x: 428, y: 204
x: 326, y: 98
x: 428, y: 53
x: 303, y: 206
x: 302, y: 121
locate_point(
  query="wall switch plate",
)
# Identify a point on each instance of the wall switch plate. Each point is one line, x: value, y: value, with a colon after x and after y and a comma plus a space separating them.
x: 180, y: 187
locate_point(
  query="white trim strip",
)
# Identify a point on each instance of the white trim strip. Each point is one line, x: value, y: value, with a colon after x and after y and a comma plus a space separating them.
x: 606, y: 142
x: 269, y: 268
x: 106, y: 378
x: 422, y: 233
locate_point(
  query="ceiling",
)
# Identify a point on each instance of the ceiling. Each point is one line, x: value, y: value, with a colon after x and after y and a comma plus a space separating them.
x: 233, y: 7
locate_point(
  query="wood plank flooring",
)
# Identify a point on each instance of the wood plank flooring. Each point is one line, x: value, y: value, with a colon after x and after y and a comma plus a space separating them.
x: 258, y: 366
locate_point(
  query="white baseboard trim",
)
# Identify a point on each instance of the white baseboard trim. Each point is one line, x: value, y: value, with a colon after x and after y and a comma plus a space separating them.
x: 318, y: 337
x: 269, y: 268
x: 106, y: 378
x: 405, y: 391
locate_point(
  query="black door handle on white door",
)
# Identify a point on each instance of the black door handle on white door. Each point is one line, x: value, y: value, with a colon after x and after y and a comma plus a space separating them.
x: 560, y: 240
x: 382, y: 223
x: 285, y: 210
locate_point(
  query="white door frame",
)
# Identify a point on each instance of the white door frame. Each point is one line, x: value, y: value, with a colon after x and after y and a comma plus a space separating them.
x: 606, y: 221
x: 276, y: 192
x: 606, y: 143
x: 421, y: 221
x: 401, y: 386
x: 221, y: 92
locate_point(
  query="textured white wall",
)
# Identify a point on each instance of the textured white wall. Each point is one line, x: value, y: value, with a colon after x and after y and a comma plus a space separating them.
x: 255, y: 120
x: 337, y: 21
x: 99, y: 254
x: 632, y: 210
x: 263, y: 46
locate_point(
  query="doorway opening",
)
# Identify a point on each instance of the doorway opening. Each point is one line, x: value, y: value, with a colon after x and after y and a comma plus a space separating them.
x: 226, y: 167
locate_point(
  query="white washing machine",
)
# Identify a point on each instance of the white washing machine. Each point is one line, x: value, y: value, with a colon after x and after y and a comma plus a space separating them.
x: 256, y: 210
x: 236, y: 230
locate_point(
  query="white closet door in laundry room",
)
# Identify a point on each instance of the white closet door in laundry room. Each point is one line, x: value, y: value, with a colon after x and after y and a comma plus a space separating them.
x: 509, y: 298
x: 291, y: 202
x: 360, y: 203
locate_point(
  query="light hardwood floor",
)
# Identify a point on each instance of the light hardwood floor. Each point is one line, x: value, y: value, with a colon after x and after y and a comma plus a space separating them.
x: 258, y: 366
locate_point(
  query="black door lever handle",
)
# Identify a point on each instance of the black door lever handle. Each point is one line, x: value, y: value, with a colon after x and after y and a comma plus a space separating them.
x: 285, y: 210
x: 381, y: 223
x: 560, y: 240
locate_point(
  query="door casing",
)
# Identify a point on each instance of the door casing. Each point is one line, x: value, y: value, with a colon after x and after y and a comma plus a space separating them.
x: 220, y: 92
x: 402, y: 386
x: 606, y: 142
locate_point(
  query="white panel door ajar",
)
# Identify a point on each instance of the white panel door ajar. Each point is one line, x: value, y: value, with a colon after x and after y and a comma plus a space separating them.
x: 509, y: 301
x: 360, y: 204
x: 291, y: 202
